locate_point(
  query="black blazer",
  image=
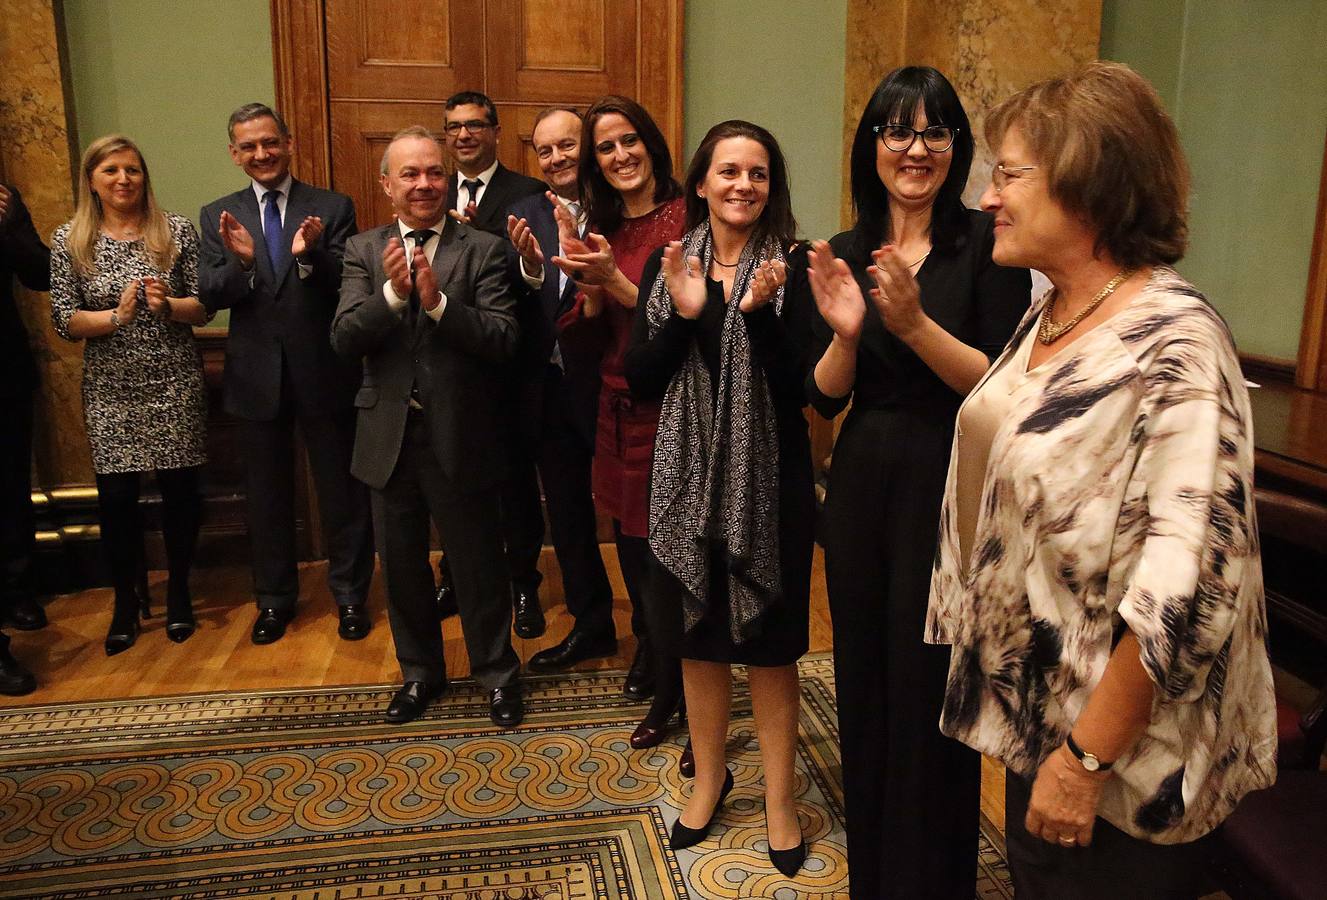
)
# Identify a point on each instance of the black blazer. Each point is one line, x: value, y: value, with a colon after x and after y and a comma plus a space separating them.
x: 456, y: 363
x: 280, y: 315
x: 22, y: 253
x: 505, y: 189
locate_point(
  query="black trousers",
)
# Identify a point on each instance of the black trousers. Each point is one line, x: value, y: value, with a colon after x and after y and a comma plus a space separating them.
x: 122, y: 529
x: 565, y: 458
x: 911, y: 794
x: 17, y: 523
x: 469, y: 524
x: 343, y: 503
x: 1115, y: 866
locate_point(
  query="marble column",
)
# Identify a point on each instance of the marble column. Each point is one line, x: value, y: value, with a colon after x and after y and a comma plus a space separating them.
x: 36, y: 155
x: 987, y: 48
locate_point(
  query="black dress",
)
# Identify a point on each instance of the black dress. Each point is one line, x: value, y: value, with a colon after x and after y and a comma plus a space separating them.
x: 911, y: 794
x: 779, y: 345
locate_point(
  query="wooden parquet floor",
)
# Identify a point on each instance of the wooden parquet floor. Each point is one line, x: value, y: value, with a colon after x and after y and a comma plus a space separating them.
x: 71, y: 666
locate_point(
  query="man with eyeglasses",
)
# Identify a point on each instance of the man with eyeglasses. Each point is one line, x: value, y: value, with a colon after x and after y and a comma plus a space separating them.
x: 482, y: 191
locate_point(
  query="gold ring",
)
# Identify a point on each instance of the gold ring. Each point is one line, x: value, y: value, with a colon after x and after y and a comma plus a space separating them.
x: 1067, y: 842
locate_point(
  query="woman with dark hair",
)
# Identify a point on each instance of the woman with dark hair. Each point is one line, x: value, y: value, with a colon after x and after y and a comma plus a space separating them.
x: 632, y: 205
x: 720, y: 336
x: 124, y: 279
x: 939, y: 309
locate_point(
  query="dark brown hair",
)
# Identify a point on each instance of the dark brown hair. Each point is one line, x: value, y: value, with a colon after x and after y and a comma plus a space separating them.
x: 1110, y: 154
x: 603, y: 205
x: 777, y: 219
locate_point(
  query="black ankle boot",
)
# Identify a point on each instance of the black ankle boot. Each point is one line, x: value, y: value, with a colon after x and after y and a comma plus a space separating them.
x: 124, y: 625
x: 179, y: 613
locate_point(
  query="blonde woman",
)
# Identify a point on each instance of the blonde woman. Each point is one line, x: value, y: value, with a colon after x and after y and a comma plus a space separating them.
x: 124, y: 279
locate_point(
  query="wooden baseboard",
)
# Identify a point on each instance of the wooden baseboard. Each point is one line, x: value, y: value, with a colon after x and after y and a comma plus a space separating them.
x: 1264, y: 369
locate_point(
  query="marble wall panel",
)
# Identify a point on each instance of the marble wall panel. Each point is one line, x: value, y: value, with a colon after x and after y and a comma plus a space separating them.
x: 987, y: 48
x: 35, y: 155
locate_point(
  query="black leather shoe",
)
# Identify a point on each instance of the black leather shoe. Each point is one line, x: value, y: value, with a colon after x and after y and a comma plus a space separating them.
x: 684, y: 837
x: 122, y: 633
x: 505, y: 706
x: 179, y: 616
x: 355, y: 622
x: 15, y: 681
x: 528, y: 615
x: 26, y: 614
x: 789, y: 862
x: 575, y: 647
x: 411, y: 701
x: 270, y: 626
x: 639, y: 683
x: 654, y: 728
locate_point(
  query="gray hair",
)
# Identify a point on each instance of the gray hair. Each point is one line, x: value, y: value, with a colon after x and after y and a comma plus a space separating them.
x: 413, y: 131
x: 250, y: 111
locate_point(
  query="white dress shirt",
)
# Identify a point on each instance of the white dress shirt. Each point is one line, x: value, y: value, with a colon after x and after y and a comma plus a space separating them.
x: 397, y: 303
x: 463, y: 198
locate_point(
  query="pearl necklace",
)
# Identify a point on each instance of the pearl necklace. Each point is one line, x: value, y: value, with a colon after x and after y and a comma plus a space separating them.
x: 1051, y: 331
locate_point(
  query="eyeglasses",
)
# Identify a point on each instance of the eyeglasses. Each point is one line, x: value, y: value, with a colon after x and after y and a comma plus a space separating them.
x: 896, y: 137
x: 1000, y: 176
x: 474, y: 126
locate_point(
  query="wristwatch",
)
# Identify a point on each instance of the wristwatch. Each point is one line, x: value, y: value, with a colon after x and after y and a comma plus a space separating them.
x: 1089, y: 760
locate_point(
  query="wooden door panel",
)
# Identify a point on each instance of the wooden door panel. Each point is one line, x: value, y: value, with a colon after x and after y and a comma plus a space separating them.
x: 561, y: 51
x: 360, y: 133
x: 425, y: 51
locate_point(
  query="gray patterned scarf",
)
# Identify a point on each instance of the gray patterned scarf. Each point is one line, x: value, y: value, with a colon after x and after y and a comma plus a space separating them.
x: 715, y: 475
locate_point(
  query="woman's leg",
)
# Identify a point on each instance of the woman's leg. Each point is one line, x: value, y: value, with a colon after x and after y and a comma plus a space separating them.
x: 182, y: 510
x: 775, y: 700
x: 122, y: 542
x: 709, y: 691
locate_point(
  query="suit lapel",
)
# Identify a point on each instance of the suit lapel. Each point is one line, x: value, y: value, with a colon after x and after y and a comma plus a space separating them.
x: 445, y: 258
x: 251, y: 217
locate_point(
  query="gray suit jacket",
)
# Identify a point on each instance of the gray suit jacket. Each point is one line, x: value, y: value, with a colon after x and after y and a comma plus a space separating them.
x: 276, y: 315
x: 456, y: 363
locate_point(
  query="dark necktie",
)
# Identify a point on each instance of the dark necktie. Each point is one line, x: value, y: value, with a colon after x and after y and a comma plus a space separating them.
x: 272, y: 230
x: 472, y: 186
x: 420, y: 237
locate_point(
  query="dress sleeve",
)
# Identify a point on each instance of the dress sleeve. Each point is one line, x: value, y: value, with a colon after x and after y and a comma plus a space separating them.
x: 186, y: 264
x: 1003, y: 295
x: 1194, y: 481
x: 66, y: 287
x: 651, y: 362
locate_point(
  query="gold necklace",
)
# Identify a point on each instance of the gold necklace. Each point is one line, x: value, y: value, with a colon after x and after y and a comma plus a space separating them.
x: 1051, y: 331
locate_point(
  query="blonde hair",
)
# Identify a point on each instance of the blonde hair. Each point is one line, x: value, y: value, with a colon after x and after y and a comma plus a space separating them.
x: 86, y: 224
x: 1111, y: 154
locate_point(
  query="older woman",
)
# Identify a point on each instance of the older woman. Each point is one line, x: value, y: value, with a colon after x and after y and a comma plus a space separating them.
x: 939, y: 311
x: 1098, y: 574
x: 124, y: 279
x: 631, y: 207
x: 721, y: 339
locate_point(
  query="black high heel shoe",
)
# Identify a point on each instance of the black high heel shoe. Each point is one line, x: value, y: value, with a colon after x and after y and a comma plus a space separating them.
x: 683, y: 837
x: 789, y: 862
x: 123, y: 631
x: 179, y: 616
x: 648, y: 734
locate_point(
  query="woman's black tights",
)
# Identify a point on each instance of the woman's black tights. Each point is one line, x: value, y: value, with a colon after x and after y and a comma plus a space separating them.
x: 122, y: 535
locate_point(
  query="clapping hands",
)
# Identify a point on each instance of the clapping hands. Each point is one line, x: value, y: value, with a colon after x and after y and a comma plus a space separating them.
x: 765, y: 283
x: 684, y: 281
x: 836, y: 292
x: 306, y: 236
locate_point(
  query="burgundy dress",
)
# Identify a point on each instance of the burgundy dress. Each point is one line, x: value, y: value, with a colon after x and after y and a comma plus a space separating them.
x: 624, y: 438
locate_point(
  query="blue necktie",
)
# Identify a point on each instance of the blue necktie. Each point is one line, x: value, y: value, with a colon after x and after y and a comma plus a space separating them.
x: 272, y: 230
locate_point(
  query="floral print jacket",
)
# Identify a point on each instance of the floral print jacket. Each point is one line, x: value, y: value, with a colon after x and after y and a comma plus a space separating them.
x: 1118, y: 493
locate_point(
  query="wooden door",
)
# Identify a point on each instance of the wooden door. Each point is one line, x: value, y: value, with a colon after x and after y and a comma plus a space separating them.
x: 350, y: 73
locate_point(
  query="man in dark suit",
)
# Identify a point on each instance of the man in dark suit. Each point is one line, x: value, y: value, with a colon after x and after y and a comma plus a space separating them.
x: 22, y: 253
x: 271, y: 253
x: 427, y: 304
x: 482, y: 190
x: 559, y: 402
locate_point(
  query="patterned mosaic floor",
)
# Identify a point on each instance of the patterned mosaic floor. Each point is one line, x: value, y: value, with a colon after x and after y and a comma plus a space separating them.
x: 306, y: 794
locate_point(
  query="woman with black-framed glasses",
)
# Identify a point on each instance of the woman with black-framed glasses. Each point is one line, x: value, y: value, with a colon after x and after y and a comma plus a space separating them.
x: 912, y: 309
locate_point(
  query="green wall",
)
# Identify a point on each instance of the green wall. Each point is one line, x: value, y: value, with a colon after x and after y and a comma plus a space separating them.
x: 778, y: 63
x: 168, y: 74
x: 1247, y: 85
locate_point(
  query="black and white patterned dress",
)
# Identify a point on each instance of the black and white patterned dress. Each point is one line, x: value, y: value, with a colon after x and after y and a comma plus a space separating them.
x: 143, y: 397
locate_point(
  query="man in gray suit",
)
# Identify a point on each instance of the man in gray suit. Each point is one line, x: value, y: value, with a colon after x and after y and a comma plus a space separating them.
x: 427, y: 303
x: 271, y: 254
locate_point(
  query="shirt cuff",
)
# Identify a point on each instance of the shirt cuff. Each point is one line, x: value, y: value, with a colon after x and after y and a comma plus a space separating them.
x: 394, y: 303
x: 436, y: 312
x: 304, y: 269
x: 534, y: 281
